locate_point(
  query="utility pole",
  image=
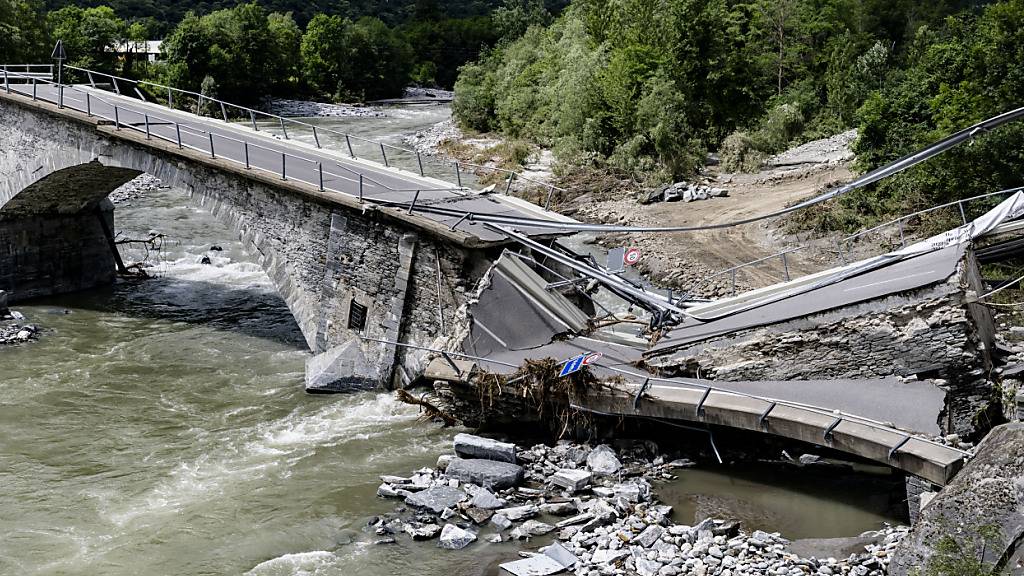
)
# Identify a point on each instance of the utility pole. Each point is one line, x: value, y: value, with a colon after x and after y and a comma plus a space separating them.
x: 60, y: 57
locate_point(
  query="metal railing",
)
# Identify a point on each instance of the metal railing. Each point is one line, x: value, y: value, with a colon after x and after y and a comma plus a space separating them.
x: 14, y: 72
x: 838, y: 417
x: 252, y: 118
x: 839, y: 243
x: 116, y: 113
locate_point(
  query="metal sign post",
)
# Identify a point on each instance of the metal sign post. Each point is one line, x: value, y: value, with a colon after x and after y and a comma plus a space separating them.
x: 616, y: 258
x: 60, y: 57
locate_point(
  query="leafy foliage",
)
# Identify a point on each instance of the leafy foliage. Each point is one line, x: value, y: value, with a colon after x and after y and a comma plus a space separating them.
x: 647, y: 86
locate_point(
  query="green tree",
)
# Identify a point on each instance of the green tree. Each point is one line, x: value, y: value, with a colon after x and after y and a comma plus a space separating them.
x: 516, y: 16
x: 89, y: 34
x: 322, y: 48
x: 23, y: 31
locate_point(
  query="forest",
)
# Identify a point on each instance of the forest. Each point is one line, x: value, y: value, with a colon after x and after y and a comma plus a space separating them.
x: 647, y: 88
x: 352, y: 51
x: 643, y: 90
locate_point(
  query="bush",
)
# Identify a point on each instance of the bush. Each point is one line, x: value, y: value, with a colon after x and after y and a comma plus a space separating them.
x: 738, y: 153
x: 780, y: 126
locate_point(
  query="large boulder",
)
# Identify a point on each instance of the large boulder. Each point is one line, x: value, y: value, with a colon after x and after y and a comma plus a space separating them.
x: 455, y: 538
x: 470, y: 446
x: 987, y: 496
x: 490, y: 474
x: 436, y: 499
x: 602, y: 461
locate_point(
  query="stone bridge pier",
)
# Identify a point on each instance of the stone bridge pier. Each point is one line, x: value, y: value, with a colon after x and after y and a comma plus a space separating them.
x: 351, y: 274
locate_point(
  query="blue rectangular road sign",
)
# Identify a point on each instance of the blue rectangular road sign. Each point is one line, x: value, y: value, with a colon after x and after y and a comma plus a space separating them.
x: 573, y: 365
x: 576, y: 364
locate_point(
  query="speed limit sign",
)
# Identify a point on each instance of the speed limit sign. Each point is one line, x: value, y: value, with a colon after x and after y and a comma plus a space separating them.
x: 632, y: 256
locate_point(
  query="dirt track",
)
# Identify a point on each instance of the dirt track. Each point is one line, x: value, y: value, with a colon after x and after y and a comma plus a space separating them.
x: 683, y: 260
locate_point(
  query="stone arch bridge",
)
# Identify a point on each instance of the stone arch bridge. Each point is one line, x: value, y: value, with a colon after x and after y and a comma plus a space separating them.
x: 352, y: 273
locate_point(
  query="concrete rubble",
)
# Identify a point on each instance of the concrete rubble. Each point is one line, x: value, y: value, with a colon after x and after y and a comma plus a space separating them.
x: 603, y: 525
x: 685, y: 192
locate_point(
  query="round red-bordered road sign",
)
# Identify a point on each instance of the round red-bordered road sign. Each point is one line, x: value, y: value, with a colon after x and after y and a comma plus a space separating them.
x: 632, y: 256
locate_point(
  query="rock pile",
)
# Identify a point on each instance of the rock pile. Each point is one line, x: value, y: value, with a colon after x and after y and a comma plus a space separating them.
x: 306, y: 109
x: 12, y: 331
x: 135, y: 189
x: 684, y: 191
x: 421, y: 93
x: 430, y: 140
x: 829, y: 151
x: 599, y: 506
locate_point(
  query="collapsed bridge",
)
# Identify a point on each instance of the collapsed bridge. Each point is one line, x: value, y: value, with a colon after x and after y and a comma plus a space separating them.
x: 394, y: 275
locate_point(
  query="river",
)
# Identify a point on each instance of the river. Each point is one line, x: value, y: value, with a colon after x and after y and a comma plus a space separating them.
x: 160, y: 427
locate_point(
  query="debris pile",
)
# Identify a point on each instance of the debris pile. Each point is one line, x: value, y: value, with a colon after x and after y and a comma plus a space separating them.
x: 684, y: 191
x: 135, y: 189
x: 429, y: 141
x: 599, y: 507
x: 12, y: 331
x: 306, y: 109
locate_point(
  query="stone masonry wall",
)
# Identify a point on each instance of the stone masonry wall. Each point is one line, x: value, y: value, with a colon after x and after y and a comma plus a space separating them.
x: 289, y: 232
x: 55, y: 253
x: 929, y: 332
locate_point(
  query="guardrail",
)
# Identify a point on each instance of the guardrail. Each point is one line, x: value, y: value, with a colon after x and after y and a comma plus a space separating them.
x: 643, y: 384
x: 839, y: 243
x: 200, y: 103
x: 25, y: 71
x: 769, y: 403
x: 243, y: 147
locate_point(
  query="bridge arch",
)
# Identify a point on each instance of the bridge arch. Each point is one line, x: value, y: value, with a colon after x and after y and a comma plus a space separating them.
x: 330, y: 260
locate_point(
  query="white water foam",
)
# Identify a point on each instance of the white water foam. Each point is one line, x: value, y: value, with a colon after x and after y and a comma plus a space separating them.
x: 298, y: 564
x: 242, y: 455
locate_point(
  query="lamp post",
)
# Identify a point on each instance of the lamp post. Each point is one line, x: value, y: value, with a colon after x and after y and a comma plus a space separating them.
x: 60, y: 57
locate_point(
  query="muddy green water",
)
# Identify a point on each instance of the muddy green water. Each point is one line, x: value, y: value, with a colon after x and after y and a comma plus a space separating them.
x: 161, y: 428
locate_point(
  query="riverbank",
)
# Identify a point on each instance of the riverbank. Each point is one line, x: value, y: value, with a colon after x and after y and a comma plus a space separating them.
x: 597, y: 512
x: 685, y: 261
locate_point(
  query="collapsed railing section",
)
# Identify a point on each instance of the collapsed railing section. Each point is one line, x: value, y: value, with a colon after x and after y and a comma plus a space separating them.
x: 842, y: 247
x: 643, y: 384
x: 258, y: 120
x: 217, y: 145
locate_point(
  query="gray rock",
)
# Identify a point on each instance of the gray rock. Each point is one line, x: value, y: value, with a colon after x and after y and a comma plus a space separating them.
x: 602, y: 461
x: 579, y: 519
x: 485, y: 499
x: 422, y: 531
x: 560, y: 554
x: 517, y: 513
x: 501, y: 522
x: 646, y: 567
x: 479, y: 515
x: 455, y: 538
x: 649, y: 536
x: 533, y: 528
x: 608, y: 556
x: 436, y: 499
x: 490, y: 474
x: 539, y: 565
x: 386, y: 491
x: 558, y: 508
x: 470, y: 447
x: 987, y: 492
x: 571, y: 479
